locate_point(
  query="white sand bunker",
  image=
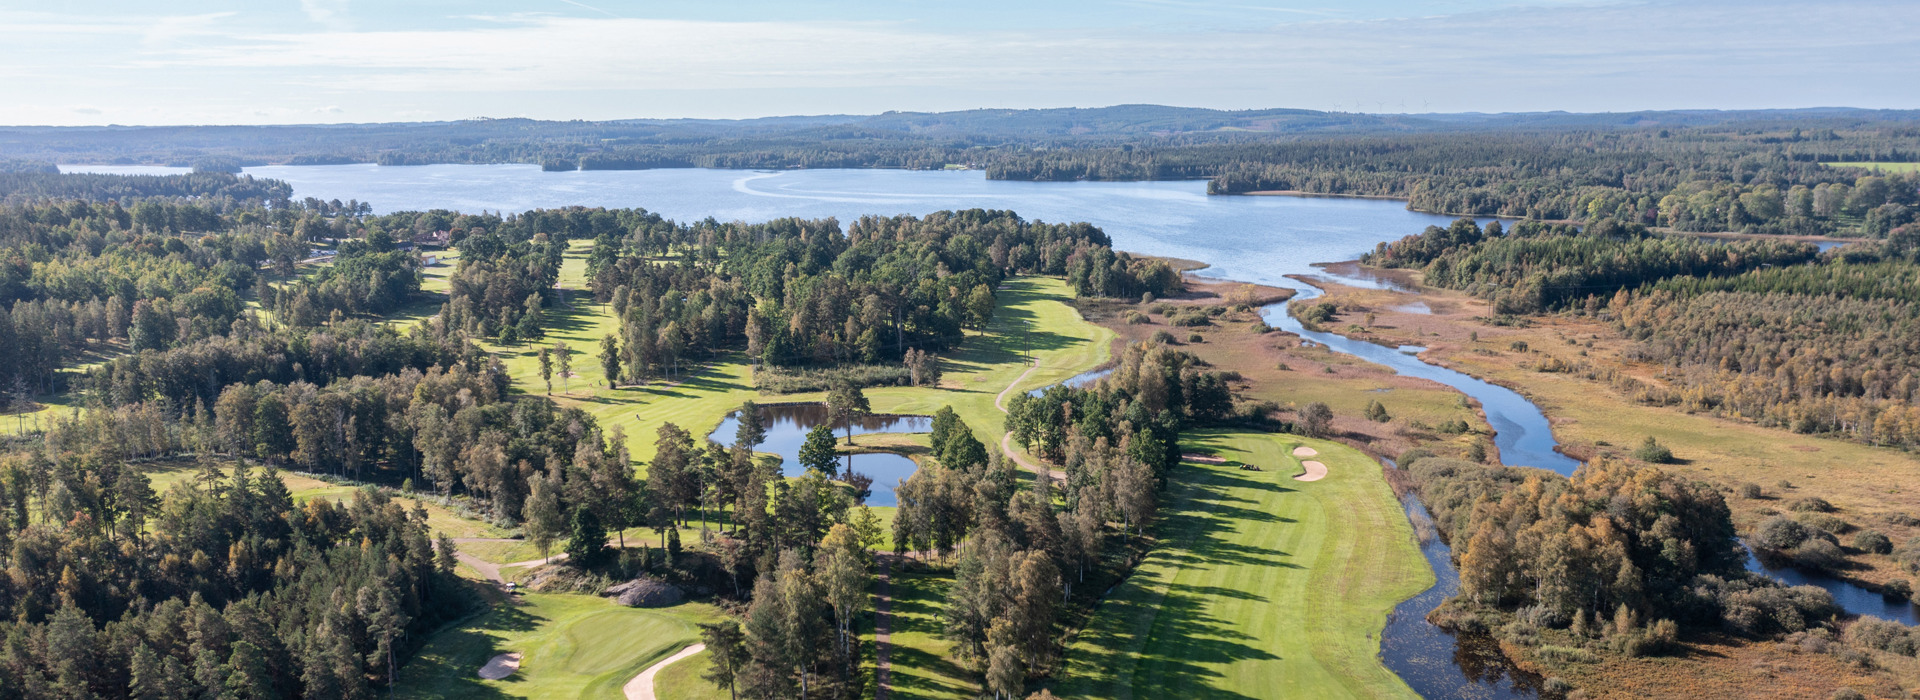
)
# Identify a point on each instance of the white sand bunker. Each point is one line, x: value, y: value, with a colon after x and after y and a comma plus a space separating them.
x: 501, y: 666
x: 1305, y: 451
x: 1315, y: 471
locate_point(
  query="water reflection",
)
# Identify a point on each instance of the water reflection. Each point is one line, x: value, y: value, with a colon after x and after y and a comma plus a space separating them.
x: 1853, y: 598
x: 787, y: 426
x: 1440, y: 663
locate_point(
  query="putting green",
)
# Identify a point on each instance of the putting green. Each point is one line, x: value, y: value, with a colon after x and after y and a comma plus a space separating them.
x: 575, y: 646
x: 1260, y: 586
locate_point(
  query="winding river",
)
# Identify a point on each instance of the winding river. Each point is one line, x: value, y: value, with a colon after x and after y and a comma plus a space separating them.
x: 1253, y: 239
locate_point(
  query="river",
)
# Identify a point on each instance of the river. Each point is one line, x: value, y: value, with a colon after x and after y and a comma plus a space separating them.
x: 1248, y: 238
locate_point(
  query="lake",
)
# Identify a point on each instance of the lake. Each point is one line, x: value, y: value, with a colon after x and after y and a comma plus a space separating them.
x: 1254, y: 239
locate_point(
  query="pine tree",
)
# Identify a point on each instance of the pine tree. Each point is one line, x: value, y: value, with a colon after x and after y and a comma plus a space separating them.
x: 546, y: 369
x: 610, y: 360
x: 818, y: 453
x: 589, y: 539
x: 846, y: 404
x: 726, y: 652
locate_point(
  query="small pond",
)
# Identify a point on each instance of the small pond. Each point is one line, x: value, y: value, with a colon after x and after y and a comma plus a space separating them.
x: 787, y: 426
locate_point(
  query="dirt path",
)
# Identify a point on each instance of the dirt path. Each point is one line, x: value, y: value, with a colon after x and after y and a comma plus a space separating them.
x: 1006, y: 439
x: 501, y: 666
x: 882, y: 631
x: 641, y: 687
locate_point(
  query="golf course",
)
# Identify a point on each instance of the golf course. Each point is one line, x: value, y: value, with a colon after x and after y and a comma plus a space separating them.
x: 1260, y: 585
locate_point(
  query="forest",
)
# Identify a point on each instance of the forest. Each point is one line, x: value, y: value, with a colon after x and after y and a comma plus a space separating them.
x: 1769, y: 331
x: 212, y: 339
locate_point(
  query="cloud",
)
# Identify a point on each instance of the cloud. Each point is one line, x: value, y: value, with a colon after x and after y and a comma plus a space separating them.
x: 331, y: 13
x: 86, y: 110
x: 1595, y: 57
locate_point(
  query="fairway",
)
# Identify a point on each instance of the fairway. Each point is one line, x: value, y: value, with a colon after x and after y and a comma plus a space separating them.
x: 576, y: 646
x: 1260, y: 586
x: 1882, y: 167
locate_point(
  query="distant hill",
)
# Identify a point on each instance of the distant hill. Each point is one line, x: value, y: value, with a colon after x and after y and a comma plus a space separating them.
x: 893, y: 139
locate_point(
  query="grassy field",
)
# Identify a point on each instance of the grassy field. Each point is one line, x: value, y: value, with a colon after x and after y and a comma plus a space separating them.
x: 1883, y: 167
x: 1260, y: 586
x: 575, y: 647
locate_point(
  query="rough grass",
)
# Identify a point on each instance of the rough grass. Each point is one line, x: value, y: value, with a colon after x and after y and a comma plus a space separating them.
x: 575, y: 647
x: 682, y: 681
x: 1259, y: 586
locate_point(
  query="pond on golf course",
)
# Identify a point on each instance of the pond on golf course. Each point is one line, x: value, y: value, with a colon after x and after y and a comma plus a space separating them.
x: 787, y: 426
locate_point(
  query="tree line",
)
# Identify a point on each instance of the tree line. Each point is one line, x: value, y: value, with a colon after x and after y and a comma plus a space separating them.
x: 1769, y: 331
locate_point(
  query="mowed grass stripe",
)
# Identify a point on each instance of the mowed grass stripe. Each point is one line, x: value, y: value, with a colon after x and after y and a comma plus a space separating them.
x: 1260, y: 586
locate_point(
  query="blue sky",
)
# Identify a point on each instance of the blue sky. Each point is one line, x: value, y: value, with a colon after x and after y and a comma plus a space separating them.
x: 313, y: 61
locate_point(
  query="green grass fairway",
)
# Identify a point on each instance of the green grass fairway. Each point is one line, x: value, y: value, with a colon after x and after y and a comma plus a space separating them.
x: 1882, y: 167
x: 1260, y: 586
x: 1035, y: 314
x: 575, y: 646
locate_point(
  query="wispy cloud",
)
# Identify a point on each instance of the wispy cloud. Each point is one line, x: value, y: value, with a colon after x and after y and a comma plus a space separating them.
x: 1709, y: 53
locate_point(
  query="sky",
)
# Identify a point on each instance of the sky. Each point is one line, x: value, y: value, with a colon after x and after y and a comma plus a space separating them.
x: 84, y: 62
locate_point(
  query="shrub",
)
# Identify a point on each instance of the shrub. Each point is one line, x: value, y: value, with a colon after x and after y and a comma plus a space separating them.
x: 1908, y: 555
x: 1751, y: 491
x: 1410, y: 456
x: 1146, y: 297
x: 1319, y: 313
x: 778, y: 380
x: 1377, y: 412
x: 1563, y: 655
x: 1897, y: 590
x: 1517, y: 346
x: 1137, y: 318
x: 1780, y: 534
x: 1846, y: 694
x: 1884, y: 635
x: 1652, y: 452
x: 1811, y: 504
x: 1830, y: 523
x: 1283, y: 367
x: 1872, y: 542
x: 1196, y: 338
x: 1191, y: 318
x: 1820, y: 553
x: 1261, y: 328
x: 1163, y: 337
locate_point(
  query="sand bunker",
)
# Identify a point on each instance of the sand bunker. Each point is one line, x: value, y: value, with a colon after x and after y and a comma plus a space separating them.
x: 501, y: 666
x: 1304, y: 451
x: 1315, y: 471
